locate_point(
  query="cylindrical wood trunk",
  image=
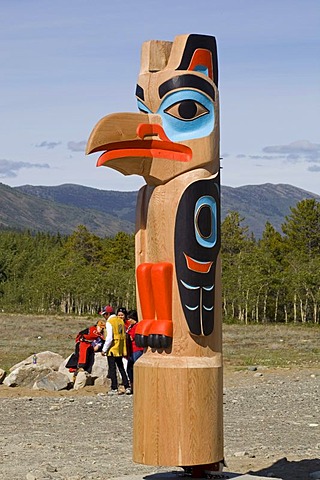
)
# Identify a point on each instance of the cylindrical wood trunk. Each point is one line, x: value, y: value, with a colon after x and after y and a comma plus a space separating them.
x: 178, y: 410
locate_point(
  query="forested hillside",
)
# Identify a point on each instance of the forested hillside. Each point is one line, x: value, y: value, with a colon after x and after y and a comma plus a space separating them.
x: 274, y: 279
x: 119, y: 204
x: 22, y: 211
x: 105, y: 212
x: 260, y: 204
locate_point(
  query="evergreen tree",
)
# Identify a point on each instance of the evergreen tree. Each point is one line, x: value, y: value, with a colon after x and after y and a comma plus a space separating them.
x: 302, y: 228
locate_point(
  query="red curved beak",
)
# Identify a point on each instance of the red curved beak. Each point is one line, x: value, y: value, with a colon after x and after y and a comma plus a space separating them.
x: 152, y: 143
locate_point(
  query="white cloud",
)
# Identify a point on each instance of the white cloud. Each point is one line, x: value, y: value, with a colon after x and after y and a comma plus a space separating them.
x: 314, y: 168
x: 262, y: 157
x: 48, y: 145
x: 295, y: 151
x: 77, y: 146
x: 9, y: 168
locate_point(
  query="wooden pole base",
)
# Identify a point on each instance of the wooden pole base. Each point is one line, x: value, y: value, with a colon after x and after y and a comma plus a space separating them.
x: 178, y: 418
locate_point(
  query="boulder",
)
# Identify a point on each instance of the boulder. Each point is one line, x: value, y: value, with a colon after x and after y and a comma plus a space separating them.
x: 103, y: 382
x: 81, y: 380
x: 62, y: 368
x: 51, y: 382
x: 26, y: 375
x: 100, y: 366
x: 47, y: 359
x: 2, y: 375
x: 99, y: 369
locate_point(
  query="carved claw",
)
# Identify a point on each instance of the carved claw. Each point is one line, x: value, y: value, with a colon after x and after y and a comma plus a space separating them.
x: 160, y: 334
x: 154, y: 333
x: 159, y: 341
x: 141, y: 340
x: 142, y: 332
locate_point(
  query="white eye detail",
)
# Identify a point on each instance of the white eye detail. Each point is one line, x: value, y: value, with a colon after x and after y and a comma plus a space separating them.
x: 186, y: 110
x: 205, y: 221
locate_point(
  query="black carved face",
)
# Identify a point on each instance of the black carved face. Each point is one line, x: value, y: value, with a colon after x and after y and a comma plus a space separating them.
x: 197, y: 243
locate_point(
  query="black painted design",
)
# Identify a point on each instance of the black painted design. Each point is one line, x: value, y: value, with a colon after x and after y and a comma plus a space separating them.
x: 200, y: 41
x: 184, y: 81
x: 197, y: 289
x: 139, y: 92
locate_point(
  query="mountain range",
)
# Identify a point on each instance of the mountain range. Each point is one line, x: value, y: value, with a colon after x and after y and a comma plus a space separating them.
x: 105, y: 212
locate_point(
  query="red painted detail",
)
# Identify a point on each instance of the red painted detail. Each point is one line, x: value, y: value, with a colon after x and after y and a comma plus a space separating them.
x: 146, y: 148
x: 83, y: 347
x: 161, y: 327
x: 196, y: 266
x: 202, y: 57
x: 154, y: 282
x: 145, y: 291
x: 161, y: 278
x: 151, y: 129
x: 143, y: 327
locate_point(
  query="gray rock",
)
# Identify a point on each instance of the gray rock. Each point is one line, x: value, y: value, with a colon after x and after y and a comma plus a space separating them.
x: 102, y: 382
x: 2, y: 375
x: 100, y: 366
x: 81, y: 380
x: 99, y: 370
x: 26, y: 376
x: 54, y: 381
x: 241, y: 454
x: 62, y: 368
x: 48, y: 359
x: 315, y: 475
x: 31, y: 476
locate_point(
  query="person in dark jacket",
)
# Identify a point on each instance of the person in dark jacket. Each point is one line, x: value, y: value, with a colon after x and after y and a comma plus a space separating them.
x: 134, y: 352
x: 88, y: 341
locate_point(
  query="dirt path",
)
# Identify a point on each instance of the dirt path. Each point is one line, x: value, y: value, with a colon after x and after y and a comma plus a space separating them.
x: 272, y: 428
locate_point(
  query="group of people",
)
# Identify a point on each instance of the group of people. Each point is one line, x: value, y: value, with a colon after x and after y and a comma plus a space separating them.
x: 114, y: 336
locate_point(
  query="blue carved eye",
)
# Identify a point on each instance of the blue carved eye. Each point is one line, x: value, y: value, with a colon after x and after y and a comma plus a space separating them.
x: 205, y: 221
x: 186, y: 110
x: 187, y: 114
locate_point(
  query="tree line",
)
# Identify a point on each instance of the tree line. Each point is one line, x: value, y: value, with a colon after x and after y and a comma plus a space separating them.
x: 272, y: 279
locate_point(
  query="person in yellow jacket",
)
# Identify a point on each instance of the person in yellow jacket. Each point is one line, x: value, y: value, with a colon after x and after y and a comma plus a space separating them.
x: 115, y: 349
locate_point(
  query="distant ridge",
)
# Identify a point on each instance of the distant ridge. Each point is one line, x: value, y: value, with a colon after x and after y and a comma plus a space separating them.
x: 62, y: 208
x: 36, y: 211
x: 259, y: 204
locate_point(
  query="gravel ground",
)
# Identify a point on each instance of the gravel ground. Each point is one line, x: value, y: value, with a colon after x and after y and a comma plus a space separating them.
x: 272, y: 428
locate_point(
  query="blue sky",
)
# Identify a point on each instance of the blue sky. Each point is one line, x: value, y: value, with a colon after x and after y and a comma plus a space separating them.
x: 67, y: 63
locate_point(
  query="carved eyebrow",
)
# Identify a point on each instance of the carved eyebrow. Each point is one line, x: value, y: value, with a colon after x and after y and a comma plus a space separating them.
x: 183, y: 81
x: 140, y: 92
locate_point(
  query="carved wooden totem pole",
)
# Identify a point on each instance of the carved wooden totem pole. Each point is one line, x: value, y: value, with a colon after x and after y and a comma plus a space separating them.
x: 174, y: 144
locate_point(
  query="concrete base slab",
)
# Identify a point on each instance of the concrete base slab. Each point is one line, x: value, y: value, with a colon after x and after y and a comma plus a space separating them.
x: 181, y: 476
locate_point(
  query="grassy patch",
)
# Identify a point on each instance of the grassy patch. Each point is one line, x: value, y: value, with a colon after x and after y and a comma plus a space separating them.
x: 271, y: 345
x: 243, y: 345
x: 23, y: 335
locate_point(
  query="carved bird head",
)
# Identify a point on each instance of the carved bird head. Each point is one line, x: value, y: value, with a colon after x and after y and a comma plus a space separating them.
x: 177, y: 129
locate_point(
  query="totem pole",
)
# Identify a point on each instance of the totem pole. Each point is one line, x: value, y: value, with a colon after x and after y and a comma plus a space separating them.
x: 174, y: 144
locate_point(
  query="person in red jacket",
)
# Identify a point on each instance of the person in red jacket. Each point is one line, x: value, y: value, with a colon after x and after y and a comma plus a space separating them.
x: 88, y: 341
x: 134, y: 352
